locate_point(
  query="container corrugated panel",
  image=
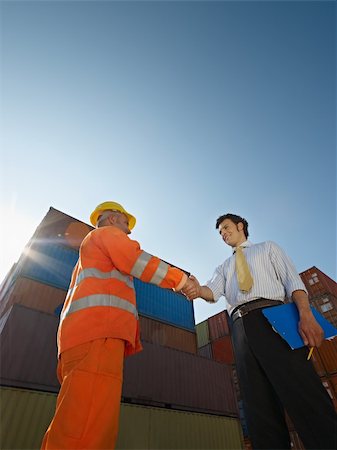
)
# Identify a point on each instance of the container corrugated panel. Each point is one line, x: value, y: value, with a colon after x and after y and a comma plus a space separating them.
x: 26, y: 414
x: 165, y: 305
x: 155, y: 428
x: 317, y: 363
x: 327, y: 353
x: 48, y: 263
x: 34, y: 295
x: 28, y: 349
x: 218, y: 325
x: 61, y: 229
x: 157, y: 332
x: 160, y: 376
x: 206, y: 351
x: 318, y: 283
x: 222, y: 350
x: 202, y: 333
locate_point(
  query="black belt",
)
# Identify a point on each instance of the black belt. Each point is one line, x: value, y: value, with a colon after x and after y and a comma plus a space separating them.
x: 244, y: 309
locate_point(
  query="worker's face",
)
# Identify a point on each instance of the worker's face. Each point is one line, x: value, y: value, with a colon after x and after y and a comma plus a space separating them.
x: 120, y: 221
x: 232, y: 233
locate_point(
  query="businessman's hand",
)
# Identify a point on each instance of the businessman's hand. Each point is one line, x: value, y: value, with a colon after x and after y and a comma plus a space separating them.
x: 191, y: 288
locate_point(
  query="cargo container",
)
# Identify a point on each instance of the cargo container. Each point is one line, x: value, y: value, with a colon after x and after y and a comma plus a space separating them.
x: 164, y: 305
x: 202, y: 333
x: 34, y: 295
x: 26, y: 414
x: 157, y: 332
x: 160, y: 376
x: 48, y: 263
x: 327, y: 354
x: 326, y: 305
x: 206, y: 351
x: 218, y: 325
x: 317, y: 283
x: 28, y: 349
x: 330, y: 384
x: 222, y: 350
x: 61, y: 229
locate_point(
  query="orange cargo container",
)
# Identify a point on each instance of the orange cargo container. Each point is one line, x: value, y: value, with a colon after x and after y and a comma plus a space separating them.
x: 34, y: 295
x: 157, y: 332
x: 317, y: 283
x: 218, y: 325
x: 222, y: 350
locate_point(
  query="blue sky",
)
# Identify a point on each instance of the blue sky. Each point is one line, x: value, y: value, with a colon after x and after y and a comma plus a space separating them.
x: 181, y: 111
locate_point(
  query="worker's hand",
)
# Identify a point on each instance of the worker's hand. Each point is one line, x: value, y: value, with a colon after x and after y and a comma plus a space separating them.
x: 310, y: 330
x: 191, y: 288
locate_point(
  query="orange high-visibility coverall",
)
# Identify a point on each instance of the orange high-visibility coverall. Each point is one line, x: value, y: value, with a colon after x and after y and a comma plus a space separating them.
x: 98, y: 327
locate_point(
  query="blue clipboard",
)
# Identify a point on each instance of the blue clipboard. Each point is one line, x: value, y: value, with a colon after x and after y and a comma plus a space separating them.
x: 284, y: 319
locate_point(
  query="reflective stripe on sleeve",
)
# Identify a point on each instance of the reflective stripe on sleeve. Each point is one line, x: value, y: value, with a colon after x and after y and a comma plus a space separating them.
x: 95, y: 273
x: 140, y: 264
x: 160, y: 273
x: 100, y: 300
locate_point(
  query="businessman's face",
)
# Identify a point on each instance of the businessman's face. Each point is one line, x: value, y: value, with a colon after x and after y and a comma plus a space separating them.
x: 232, y: 233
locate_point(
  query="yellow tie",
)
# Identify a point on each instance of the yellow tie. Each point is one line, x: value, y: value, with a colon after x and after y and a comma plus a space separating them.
x: 245, y: 279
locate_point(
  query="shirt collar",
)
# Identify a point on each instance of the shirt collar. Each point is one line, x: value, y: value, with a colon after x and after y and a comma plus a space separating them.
x: 244, y: 244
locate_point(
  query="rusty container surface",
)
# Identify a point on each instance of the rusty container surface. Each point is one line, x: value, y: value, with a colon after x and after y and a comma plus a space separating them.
x: 157, y: 332
x: 160, y: 376
x: 317, y: 283
x: 222, y: 350
x: 34, y: 295
x: 28, y: 349
x: 218, y: 325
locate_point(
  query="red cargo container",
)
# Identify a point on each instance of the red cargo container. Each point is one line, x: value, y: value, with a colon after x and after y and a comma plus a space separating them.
x: 222, y: 350
x: 218, y: 325
x: 34, y: 295
x: 160, y: 376
x: 296, y: 443
x: 330, y: 384
x: 28, y: 349
x: 317, y: 283
x: 157, y: 332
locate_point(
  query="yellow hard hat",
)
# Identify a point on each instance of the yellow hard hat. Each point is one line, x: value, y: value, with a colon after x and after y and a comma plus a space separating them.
x: 111, y: 206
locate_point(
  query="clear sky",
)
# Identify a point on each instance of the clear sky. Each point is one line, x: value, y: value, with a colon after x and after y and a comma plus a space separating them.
x: 181, y: 111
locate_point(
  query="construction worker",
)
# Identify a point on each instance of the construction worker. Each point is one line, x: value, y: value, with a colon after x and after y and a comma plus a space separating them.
x: 99, y: 327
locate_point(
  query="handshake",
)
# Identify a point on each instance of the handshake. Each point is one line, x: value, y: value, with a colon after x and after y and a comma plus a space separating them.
x: 191, y: 288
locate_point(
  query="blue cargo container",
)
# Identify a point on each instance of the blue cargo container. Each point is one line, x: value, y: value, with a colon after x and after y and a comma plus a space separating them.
x: 49, y: 263
x: 53, y: 264
x: 165, y: 305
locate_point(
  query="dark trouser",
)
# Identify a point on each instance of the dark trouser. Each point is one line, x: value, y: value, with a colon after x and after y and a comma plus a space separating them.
x: 273, y: 377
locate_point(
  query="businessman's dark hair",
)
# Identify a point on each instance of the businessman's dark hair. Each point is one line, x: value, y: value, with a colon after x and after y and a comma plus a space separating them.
x: 234, y: 218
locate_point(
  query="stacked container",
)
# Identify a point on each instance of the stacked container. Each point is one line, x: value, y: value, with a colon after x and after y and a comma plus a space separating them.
x: 173, y: 397
x: 322, y: 292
